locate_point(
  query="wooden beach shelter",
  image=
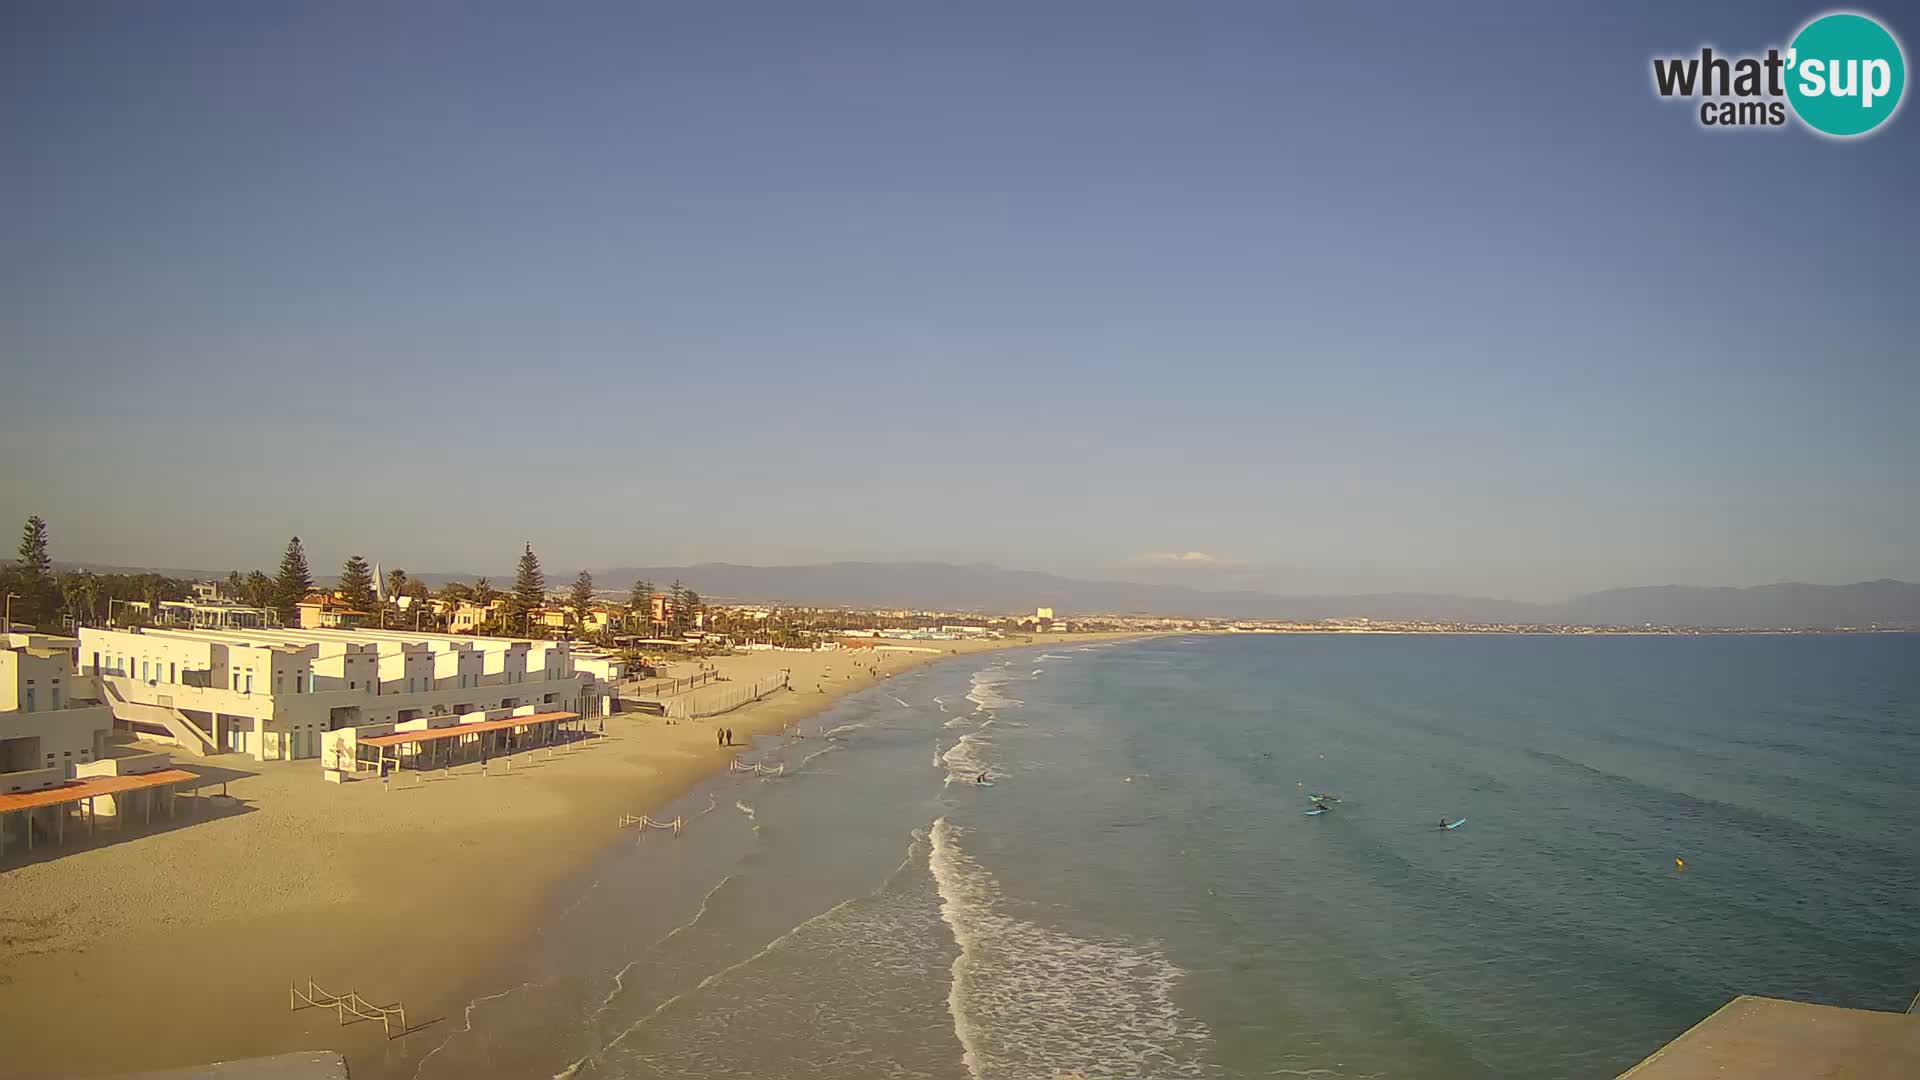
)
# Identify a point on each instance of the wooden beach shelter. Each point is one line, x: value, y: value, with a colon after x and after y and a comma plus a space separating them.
x: 82, y: 793
x: 429, y: 747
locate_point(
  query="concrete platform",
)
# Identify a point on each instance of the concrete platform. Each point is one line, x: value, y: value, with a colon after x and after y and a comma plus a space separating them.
x: 302, y: 1065
x: 1757, y: 1038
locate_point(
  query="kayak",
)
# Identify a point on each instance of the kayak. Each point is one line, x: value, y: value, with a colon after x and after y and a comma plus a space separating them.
x: 1311, y: 813
x: 1455, y: 824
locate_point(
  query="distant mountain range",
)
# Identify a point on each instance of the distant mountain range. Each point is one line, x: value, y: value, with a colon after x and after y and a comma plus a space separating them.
x: 991, y: 589
x: 985, y: 588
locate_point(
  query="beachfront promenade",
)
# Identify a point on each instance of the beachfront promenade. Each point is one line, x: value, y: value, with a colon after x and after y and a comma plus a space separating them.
x: 1759, y: 1038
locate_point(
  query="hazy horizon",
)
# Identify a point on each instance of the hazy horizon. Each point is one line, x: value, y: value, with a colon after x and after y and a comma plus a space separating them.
x: 560, y: 576
x: 1240, y: 297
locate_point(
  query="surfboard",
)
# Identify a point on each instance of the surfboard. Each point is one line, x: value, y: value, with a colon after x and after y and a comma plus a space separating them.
x: 983, y: 783
x: 1456, y: 824
x: 1311, y: 813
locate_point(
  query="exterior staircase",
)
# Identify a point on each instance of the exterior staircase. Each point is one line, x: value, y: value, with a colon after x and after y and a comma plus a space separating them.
x: 188, y: 734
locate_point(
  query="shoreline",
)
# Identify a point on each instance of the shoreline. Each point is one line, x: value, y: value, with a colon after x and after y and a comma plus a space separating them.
x: 180, y: 942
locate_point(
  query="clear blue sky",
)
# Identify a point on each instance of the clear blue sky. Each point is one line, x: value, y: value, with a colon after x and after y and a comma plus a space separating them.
x: 1400, y: 297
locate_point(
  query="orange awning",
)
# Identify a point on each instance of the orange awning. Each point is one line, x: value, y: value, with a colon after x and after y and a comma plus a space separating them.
x: 78, y: 790
x: 404, y: 738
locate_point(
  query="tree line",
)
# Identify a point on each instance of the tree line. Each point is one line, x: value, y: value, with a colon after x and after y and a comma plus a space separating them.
x: 35, y: 595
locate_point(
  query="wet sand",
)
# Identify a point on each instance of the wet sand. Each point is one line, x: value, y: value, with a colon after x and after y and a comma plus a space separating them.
x: 176, y: 944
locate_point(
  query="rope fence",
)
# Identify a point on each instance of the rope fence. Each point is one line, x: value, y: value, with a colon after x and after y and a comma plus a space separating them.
x: 646, y: 823
x: 350, y: 1004
x: 736, y: 765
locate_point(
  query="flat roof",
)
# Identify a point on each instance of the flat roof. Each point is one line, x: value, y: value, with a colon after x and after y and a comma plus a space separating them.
x: 1758, y: 1038
x: 403, y: 738
x: 77, y: 790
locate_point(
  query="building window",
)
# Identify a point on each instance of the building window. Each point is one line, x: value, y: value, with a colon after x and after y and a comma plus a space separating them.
x: 56, y: 699
x: 29, y: 699
x: 249, y: 684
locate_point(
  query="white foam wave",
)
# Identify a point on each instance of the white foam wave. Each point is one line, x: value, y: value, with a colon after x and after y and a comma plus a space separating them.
x: 577, y: 901
x: 1029, y: 1001
x: 746, y: 809
x: 466, y: 1023
x: 900, y: 703
x: 886, y: 935
x: 620, y: 977
x: 966, y: 759
x: 986, y: 692
x: 842, y: 730
x: 828, y: 749
x: 571, y: 1070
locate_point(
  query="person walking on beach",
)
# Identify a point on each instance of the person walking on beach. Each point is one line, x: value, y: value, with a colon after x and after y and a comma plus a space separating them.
x: 719, y: 737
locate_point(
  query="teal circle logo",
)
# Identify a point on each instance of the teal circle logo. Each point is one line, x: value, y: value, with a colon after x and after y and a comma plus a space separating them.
x: 1845, y: 74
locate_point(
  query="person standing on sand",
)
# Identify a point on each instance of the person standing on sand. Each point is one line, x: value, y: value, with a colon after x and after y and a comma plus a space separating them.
x: 718, y: 737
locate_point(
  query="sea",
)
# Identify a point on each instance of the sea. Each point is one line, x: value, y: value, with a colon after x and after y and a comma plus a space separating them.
x: 1653, y: 824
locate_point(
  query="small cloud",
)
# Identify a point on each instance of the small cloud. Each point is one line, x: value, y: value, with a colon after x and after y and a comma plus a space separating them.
x: 1177, y: 557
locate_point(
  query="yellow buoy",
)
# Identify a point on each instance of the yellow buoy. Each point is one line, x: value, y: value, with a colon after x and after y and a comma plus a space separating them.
x: 1679, y: 863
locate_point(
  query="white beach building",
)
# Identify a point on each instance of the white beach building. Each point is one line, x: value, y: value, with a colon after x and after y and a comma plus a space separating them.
x: 51, y: 722
x: 273, y: 693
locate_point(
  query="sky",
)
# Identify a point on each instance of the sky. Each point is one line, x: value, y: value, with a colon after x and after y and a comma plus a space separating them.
x: 1307, y: 297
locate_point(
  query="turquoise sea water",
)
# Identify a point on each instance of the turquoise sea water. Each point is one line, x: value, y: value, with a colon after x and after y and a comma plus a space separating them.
x: 1139, y: 893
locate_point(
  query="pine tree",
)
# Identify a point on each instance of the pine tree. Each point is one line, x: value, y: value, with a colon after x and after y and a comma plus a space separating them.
x: 677, y: 621
x: 32, y: 577
x: 581, y: 597
x: 484, y: 593
x: 529, y: 587
x: 693, y: 607
x: 294, y: 583
x: 642, y: 602
x: 356, y: 584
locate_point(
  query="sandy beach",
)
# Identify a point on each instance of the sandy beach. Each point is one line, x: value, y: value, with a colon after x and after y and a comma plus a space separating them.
x: 176, y: 944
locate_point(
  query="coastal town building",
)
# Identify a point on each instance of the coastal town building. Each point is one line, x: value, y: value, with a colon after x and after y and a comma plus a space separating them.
x: 211, y: 614
x: 274, y: 693
x: 468, y: 617
x: 603, y: 619
x: 322, y: 612
x: 51, y: 722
